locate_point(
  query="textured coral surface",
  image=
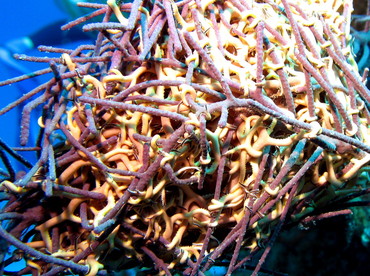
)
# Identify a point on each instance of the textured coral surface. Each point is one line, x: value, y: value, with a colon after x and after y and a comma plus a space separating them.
x: 188, y: 135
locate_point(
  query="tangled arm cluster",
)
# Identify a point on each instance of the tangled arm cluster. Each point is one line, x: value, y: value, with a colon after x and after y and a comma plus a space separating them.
x: 188, y: 135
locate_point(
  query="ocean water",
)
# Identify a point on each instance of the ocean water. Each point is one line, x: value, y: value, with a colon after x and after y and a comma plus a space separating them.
x: 22, y: 19
x: 18, y: 19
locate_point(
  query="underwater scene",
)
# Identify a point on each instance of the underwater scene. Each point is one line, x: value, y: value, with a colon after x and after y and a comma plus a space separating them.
x: 191, y: 137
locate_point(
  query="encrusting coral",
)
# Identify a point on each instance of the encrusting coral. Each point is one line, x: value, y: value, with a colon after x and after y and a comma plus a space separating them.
x: 188, y: 135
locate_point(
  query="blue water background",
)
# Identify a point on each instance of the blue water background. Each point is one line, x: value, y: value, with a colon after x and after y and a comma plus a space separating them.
x: 21, y: 18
